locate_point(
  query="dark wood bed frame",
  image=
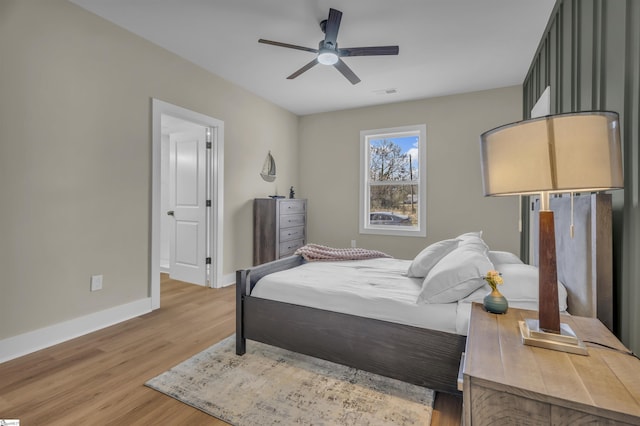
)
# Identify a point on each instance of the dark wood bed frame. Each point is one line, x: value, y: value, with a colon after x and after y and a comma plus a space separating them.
x: 415, y: 355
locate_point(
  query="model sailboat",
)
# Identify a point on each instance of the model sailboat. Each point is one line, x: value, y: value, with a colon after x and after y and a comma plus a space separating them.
x: 269, y: 168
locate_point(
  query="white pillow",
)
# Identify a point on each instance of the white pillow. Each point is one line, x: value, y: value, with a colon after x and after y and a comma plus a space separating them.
x: 468, y: 235
x: 473, y: 238
x: 520, y: 287
x: 428, y: 257
x: 501, y: 257
x: 456, y: 275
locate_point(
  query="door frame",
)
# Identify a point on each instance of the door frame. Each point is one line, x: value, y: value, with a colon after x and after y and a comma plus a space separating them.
x: 215, y: 179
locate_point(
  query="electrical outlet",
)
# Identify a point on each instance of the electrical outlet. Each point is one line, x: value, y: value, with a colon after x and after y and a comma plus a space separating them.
x: 353, y: 243
x: 96, y: 282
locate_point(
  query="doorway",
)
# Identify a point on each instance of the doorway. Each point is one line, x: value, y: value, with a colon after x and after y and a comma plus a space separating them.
x: 187, y: 194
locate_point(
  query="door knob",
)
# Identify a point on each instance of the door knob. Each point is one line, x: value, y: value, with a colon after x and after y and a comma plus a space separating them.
x: 171, y: 213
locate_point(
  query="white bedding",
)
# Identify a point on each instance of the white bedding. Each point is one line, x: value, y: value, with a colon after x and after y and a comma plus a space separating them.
x: 372, y: 288
x: 381, y: 289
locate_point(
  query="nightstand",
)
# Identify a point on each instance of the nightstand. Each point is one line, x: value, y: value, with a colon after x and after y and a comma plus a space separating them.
x: 506, y: 382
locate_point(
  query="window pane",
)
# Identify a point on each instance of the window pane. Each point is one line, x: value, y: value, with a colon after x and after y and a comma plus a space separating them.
x: 393, y: 159
x: 394, y: 205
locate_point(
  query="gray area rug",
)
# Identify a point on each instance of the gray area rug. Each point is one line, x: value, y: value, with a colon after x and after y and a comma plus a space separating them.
x: 272, y: 386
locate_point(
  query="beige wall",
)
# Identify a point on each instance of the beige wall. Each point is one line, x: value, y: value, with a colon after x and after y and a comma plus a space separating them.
x: 75, y: 163
x: 329, y: 164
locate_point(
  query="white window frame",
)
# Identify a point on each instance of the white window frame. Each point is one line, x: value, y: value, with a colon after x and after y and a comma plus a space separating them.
x: 365, y: 136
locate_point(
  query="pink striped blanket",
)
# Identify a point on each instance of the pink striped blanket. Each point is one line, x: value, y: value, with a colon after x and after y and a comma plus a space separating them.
x: 316, y: 252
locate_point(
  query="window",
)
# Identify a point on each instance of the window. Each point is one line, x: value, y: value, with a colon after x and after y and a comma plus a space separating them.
x: 392, y: 181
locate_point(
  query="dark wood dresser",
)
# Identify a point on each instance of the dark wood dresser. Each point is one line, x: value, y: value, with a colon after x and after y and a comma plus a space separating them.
x: 279, y: 228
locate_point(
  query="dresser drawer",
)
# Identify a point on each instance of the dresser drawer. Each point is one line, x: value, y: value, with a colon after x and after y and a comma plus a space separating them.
x: 287, y: 234
x: 291, y: 206
x: 289, y: 220
x: 288, y: 247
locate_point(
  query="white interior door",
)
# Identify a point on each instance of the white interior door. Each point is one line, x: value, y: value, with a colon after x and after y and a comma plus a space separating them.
x: 188, y: 193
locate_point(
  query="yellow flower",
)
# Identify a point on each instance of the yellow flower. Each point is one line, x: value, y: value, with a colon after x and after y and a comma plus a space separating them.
x: 494, y: 278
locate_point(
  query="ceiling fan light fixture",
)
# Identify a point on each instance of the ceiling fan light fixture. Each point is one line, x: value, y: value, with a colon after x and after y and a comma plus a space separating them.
x: 328, y: 53
x: 327, y: 57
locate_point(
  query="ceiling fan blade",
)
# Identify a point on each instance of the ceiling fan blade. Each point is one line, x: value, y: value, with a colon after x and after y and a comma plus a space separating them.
x: 332, y: 26
x: 369, y: 51
x: 290, y: 46
x: 303, y: 69
x: 346, y: 71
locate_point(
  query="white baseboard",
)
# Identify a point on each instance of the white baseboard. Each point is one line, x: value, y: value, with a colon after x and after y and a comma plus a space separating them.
x: 229, y: 279
x: 23, y: 344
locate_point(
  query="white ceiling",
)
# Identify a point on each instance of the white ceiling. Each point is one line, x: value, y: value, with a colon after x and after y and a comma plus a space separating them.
x: 446, y: 46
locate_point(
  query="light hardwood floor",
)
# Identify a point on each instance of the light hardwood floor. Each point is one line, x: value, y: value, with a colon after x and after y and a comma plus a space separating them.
x: 98, y: 379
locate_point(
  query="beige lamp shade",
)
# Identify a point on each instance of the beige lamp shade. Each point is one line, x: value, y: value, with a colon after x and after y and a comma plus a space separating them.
x: 574, y: 152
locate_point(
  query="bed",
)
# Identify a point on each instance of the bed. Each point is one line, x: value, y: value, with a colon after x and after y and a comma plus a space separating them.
x: 428, y: 357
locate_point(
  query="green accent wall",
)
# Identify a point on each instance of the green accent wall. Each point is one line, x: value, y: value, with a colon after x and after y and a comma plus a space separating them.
x: 590, y: 57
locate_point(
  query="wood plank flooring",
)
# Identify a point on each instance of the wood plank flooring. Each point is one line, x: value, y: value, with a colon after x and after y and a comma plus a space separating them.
x: 98, y: 379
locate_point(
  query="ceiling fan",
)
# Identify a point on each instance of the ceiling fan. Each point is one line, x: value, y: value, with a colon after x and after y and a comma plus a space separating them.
x: 328, y: 52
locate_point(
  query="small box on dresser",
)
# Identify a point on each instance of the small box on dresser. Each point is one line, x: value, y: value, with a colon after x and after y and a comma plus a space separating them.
x: 279, y: 228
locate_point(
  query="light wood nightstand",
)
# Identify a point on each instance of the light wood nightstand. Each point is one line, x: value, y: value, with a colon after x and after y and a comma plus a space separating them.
x: 506, y: 382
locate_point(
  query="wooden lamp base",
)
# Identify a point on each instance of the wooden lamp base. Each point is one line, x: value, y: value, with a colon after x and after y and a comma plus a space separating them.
x: 547, y: 331
x: 548, y: 306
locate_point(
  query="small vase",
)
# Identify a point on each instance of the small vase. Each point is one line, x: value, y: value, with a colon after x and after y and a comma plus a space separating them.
x: 495, y: 302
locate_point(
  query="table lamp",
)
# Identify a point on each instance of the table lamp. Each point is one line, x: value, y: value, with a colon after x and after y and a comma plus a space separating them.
x: 563, y: 153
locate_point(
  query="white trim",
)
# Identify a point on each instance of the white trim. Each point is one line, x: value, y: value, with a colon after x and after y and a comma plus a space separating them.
x: 229, y: 279
x: 217, y: 205
x: 26, y: 343
x: 364, y: 226
x: 160, y: 108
